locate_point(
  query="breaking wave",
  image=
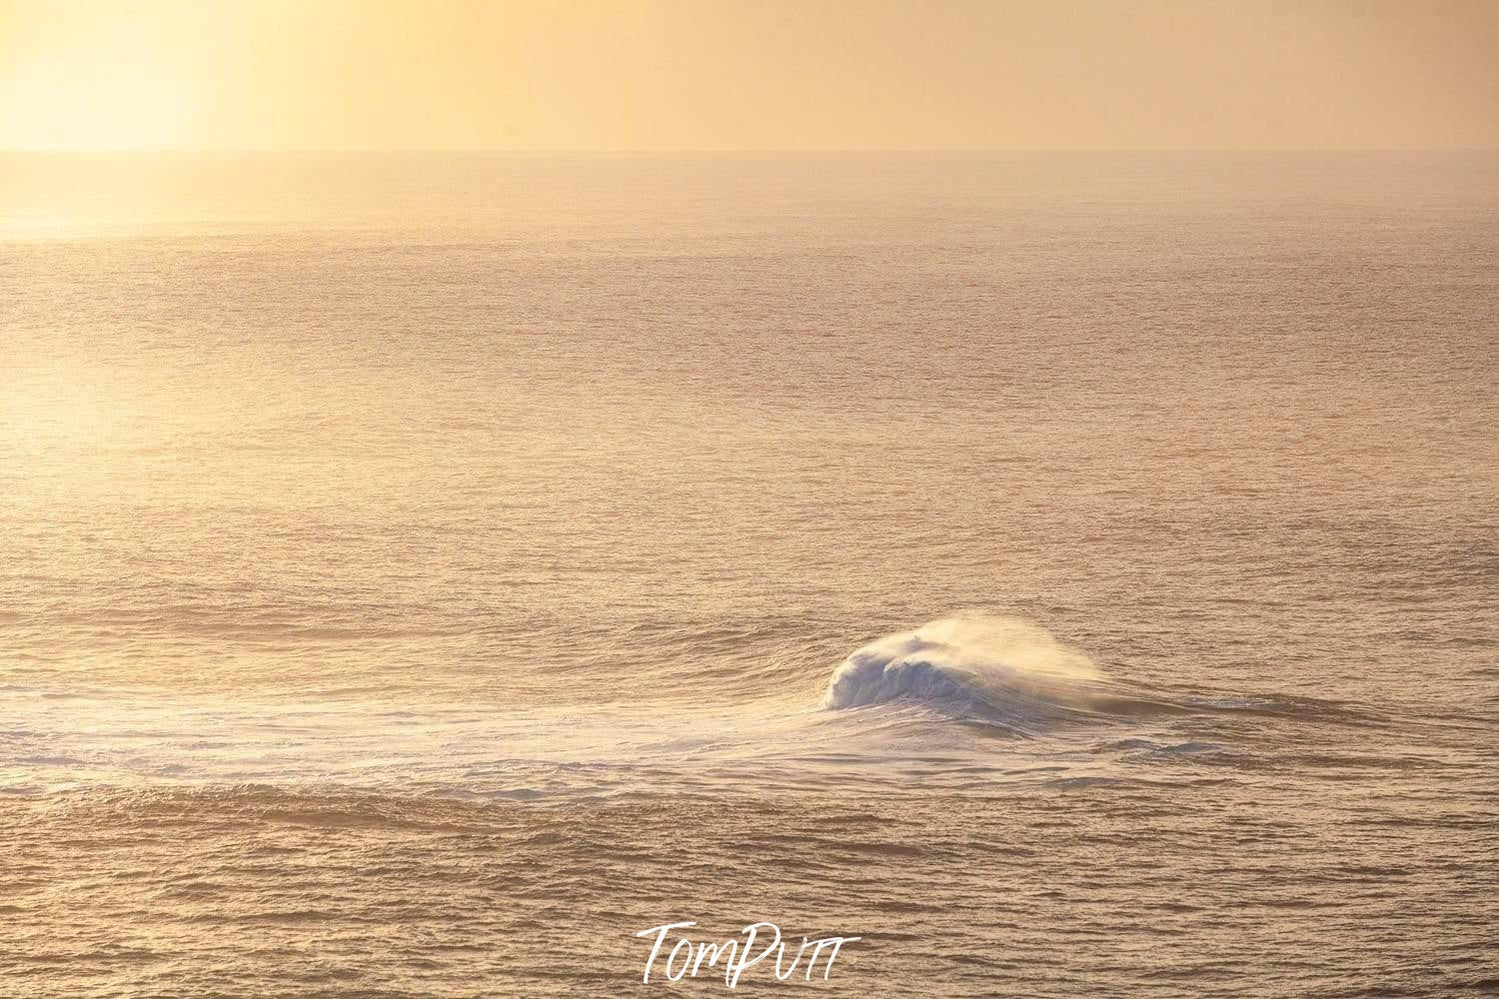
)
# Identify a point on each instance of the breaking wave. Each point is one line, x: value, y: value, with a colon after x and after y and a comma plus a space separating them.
x: 998, y: 667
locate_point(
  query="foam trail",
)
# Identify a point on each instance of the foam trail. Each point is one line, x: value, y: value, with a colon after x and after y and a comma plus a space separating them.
x: 997, y: 667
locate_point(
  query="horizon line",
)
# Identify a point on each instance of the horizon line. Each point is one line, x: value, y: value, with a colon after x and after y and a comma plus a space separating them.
x: 721, y: 150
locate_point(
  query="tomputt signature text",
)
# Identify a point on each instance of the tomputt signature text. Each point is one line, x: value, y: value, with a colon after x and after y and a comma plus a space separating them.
x: 687, y: 958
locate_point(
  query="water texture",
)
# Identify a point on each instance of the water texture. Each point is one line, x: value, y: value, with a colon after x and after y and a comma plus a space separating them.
x: 1075, y: 575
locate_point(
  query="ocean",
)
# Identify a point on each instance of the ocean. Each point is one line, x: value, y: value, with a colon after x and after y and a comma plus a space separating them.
x: 1071, y: 574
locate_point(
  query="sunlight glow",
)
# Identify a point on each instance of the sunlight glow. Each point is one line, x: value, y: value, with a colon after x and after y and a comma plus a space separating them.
x: 721, y: 74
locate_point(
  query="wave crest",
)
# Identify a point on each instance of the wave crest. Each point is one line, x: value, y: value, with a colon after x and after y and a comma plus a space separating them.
x: 995, y: 665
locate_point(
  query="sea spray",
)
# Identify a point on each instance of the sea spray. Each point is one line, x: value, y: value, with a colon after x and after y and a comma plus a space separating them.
x: 981, y: 663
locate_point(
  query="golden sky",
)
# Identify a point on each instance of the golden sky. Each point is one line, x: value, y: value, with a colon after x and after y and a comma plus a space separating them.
x: 757, y: 74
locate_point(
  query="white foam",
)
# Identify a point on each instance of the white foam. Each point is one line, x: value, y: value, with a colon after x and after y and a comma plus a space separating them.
x: 978, y: 662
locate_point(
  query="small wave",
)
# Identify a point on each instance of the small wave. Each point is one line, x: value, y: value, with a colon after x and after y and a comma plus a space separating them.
x: 999, y: 668
x: 1300, y: 708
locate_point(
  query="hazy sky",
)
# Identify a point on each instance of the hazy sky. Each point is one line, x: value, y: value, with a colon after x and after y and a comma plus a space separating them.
x: 673, y: 74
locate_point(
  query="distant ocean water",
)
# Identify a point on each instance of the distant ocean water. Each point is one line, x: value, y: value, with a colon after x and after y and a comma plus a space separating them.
x: 1074, y: 574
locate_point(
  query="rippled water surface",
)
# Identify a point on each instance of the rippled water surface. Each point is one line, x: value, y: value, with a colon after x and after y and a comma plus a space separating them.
x: 1075, y: 575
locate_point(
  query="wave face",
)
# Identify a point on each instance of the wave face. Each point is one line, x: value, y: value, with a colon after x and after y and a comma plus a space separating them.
x: 975, y: 664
